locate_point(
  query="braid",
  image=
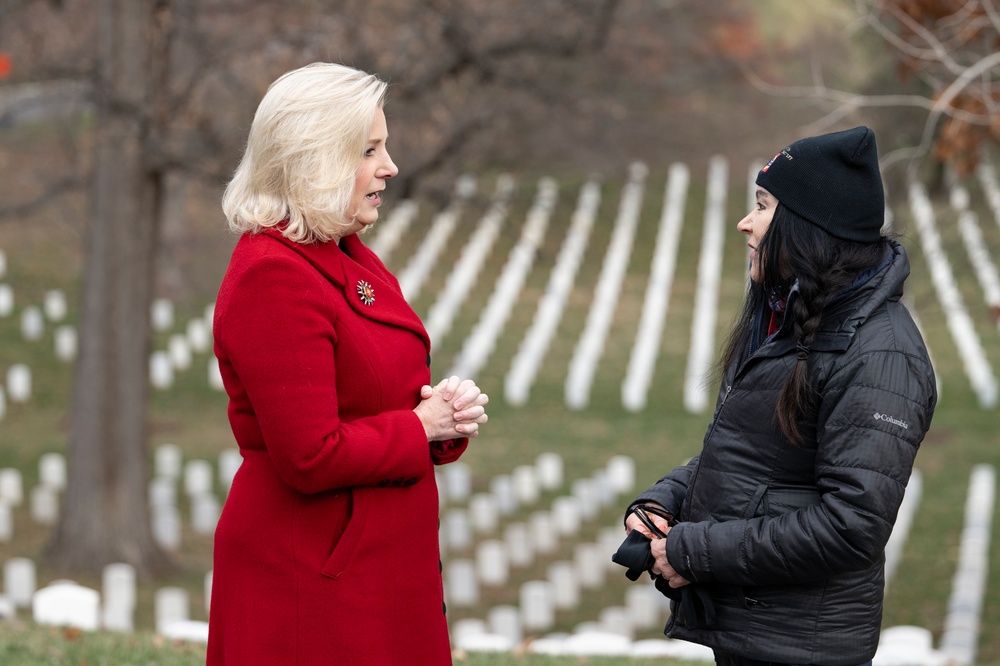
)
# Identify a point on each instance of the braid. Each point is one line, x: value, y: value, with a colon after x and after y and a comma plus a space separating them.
x: 797, y: 397
x: 822, y: 266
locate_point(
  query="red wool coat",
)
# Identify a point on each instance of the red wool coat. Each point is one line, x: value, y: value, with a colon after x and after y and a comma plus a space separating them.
x: 327, y: 548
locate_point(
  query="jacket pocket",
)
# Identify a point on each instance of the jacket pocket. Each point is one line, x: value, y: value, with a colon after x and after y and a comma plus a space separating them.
x: 337, y: 563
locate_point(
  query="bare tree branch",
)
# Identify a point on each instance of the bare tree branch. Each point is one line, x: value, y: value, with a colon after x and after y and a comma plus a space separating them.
x: 53, y: 191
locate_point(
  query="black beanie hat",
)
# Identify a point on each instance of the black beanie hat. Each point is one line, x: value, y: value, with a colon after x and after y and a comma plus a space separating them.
x: 833, y: 181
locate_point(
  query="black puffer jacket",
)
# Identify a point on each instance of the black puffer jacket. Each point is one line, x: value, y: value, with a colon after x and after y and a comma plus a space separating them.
x: 788, y: 542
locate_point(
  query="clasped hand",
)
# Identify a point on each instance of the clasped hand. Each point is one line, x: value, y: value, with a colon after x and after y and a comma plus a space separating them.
x: 658, y: 548
x: 454, y: 408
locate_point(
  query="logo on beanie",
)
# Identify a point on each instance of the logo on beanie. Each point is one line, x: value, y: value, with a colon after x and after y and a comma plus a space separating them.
x: 784, y: 152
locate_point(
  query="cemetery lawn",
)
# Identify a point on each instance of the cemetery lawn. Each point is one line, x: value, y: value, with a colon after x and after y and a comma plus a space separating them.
x: 29, y: 644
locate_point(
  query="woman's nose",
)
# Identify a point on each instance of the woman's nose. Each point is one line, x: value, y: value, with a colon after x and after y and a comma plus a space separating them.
x: 744, y: 225
x: 389, y: 168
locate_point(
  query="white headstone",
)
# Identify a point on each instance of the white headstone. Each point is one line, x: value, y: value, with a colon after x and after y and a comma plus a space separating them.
x: 65, y: 342
x: 484, y: 643
x: 64, y: 603
x: 199, y: 335
x: 6, y: 522
x: 502, y: 488
x: 168, y: 461
x: 119, y: 588
x: 597, y: 643
x: 590, y: 564
x: 161, y: 370
x: 458, y: 529
x: 506, y: 621
x: 491, y: 562
x: 565, y: 587
x: 52, y: 470
x: 208, y: 591
x: 483, y: 513
x: 458, y: 482
x: 7, y: 609
x: 229, y: 462
x: 6, y: 300
x: 32, y: 323
x: 215, y: 375
x: 167, y: 526
x: 204, y: 513
x: 19, y: 580
x: 179, y: 351
x: 466, y: 627
x: 162, y: 491
x: 642, y: 602
x: 538, y: 611
x: 525, y: 485
x: 162, y: 314
x: 55, y: 305
x: 610, y: 538
x: 566, y: 516
x: 587, y: 496
x: 170, y: 605
x: 440, y: 482
x: 461, y: 587
x: 11, y: 486
x: 44, y: 505
x: 193, y: 631
x: 602, y: 488
x: 543, y: 532
x: 197, y: 477
x: 18, y: 382
x: 520, y: 550
x: 550, y: 470
x: 621, y: 474
x: 617, y: 620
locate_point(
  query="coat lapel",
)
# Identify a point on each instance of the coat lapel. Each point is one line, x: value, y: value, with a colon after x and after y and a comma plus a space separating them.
x: 368, y: 286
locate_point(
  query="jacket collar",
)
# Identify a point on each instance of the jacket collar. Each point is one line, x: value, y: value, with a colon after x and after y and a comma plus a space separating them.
x: 847, y: 312
x: 352, y: 267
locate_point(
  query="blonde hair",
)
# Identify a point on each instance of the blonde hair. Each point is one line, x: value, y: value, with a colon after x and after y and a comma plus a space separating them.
x: 305, y: 145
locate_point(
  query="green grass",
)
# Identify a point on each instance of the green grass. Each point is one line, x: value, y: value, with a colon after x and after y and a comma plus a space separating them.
x: 41, y: 256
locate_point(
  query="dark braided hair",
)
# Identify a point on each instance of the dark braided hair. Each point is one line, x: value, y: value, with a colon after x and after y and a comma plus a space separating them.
x: 795, y: 250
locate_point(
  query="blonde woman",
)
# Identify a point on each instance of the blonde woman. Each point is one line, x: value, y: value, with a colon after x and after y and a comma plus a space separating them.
x: 327, y: 548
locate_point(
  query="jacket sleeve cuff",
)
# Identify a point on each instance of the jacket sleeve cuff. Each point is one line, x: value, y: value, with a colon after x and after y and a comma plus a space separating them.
x: 449, y: 450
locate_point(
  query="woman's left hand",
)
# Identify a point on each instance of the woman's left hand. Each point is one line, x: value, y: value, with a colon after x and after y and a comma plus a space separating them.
x: 662, y: 566
x: 467, y: 399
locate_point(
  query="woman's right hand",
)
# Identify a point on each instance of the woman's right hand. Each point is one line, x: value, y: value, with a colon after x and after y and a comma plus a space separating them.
x: 451, y: 410
x: 634, y: 523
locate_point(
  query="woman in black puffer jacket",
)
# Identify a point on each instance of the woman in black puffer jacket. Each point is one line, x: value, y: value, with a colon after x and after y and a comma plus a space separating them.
x: 777, y: 554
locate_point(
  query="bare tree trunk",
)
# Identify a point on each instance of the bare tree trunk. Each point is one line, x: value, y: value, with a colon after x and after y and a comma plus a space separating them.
x: 105, y: 516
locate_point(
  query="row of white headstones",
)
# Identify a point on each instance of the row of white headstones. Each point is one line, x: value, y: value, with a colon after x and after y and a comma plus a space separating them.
x: 470, y: 524
x: 479, y: 344
x: 523, y: 627
x: 63, y: 602
x: 525, y: 365
x: 198, y: 331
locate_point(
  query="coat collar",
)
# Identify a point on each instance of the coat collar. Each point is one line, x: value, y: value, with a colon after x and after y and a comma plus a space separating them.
x: 368, y: 286
x: 840, y: 323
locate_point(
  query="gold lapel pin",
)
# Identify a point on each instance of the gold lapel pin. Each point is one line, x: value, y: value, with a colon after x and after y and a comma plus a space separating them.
x: 366, y: 292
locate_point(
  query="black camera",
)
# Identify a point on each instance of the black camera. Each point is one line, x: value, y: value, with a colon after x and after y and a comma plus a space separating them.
x: 634, y: 553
